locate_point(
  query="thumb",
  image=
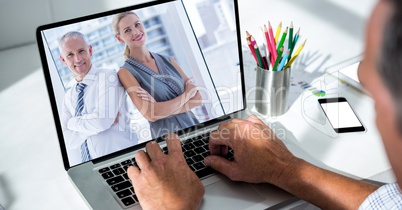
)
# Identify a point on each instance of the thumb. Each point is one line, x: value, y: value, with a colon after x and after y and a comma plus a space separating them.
x: 219, y: 163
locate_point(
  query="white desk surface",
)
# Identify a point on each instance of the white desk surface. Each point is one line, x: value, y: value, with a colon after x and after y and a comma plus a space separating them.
x: 31, y: 170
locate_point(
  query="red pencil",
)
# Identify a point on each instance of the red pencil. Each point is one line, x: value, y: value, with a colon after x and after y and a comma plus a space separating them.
x: 272, y: 38
x: 271, y: 57
x: 252, y: 49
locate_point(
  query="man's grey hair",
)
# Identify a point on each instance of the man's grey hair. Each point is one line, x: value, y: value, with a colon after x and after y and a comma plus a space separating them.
x: 71, y: 35
x: 390, y: 58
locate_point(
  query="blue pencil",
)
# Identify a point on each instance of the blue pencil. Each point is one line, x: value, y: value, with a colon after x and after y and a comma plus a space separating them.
x: 284, y: 59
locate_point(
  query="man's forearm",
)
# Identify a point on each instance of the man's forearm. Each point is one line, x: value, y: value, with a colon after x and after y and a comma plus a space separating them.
x: 90, y: 125
x: 323, y: 188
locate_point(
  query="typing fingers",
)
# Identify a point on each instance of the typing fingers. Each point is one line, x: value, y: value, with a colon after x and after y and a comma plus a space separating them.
x: 142, y: 159
x: 133, y: 172
x: 219, y: 143
x: 173, y: 144
x: 153, y: 150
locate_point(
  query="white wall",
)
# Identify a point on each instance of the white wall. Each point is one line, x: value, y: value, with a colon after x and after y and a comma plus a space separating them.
x: 20, y: 18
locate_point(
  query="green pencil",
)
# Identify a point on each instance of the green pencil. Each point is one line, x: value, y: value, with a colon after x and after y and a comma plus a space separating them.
x: 290, y: 36
x: 282, y: 40
x: 278, y: 59
x: 294, y: 43
x: 257, y: 52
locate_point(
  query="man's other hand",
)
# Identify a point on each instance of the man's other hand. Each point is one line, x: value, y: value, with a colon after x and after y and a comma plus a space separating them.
x: 165, y: 181
x: 259, y: 155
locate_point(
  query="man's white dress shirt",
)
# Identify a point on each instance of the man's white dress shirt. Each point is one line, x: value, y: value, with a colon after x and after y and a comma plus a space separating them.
x: 100, y: 125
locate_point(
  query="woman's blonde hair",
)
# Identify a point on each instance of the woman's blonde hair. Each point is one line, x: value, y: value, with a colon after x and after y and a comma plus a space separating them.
x: 116, y: 29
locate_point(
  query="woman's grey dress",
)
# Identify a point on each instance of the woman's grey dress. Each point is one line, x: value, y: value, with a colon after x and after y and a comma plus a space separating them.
x: 166, y: 85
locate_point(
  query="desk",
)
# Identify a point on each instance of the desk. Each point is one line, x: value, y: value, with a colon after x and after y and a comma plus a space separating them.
x: 31, y: 170
x: 331, y: 40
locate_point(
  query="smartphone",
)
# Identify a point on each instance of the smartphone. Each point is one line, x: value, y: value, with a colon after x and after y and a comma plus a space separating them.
x: 341, y: 115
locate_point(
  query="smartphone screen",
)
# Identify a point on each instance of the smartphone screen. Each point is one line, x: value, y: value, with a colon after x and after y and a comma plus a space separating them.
x: 341, y: 115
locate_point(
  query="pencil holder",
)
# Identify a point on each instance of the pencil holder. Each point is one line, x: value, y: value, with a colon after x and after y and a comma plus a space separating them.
x: 272, y: 89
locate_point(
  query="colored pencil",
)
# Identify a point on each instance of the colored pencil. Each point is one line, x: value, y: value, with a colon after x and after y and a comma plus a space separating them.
x: 296, y: 38
x: 294, y: 43
x: 296, y: 54
x: 263, y: 52
x: 272, y: 41
x: 252, y: 50
x: 273, y: 53
x: 266, y: 44
x: 282, y: 39
x: 248, y: 35
x: 290, y: 39
x: 278, y: 59
x: 285, y: 57
x: 253, y: 42
x: 278, y: 32
x: 257, y: 52
x: 269, y: 44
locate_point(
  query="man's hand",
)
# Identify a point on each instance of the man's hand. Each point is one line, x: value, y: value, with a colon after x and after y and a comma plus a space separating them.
x: 259, y: 156
x: 165, y: 181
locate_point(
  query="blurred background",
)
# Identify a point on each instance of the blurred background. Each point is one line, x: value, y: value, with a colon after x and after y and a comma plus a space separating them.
x: 19, y: 55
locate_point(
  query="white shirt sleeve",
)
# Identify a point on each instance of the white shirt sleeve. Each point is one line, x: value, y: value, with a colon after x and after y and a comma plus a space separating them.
x: 107, y: 95
x: 73, y: 139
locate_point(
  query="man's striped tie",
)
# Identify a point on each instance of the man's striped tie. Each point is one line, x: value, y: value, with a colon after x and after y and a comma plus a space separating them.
x: 78, y: 109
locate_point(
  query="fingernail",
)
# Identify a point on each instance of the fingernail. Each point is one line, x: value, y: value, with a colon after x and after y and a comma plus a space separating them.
x: 207, y: 161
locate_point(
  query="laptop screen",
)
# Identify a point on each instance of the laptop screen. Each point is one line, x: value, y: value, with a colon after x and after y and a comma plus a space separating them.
x: 123, y: 77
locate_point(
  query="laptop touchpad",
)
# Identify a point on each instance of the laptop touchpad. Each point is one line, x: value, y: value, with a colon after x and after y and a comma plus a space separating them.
x: 227, y: 194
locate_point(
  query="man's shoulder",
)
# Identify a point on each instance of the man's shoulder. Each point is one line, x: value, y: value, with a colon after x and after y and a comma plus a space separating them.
x: 108, y: 75
x: 106, y: 71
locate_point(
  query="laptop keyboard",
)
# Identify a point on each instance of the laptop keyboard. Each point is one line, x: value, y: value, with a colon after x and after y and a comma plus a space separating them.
x: 194, y: 151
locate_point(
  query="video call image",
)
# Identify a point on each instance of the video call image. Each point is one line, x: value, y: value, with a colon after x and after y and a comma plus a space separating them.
x: 130, y: 77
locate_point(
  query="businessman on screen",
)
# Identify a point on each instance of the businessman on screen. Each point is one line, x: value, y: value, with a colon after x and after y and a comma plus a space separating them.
x: 94, y: 109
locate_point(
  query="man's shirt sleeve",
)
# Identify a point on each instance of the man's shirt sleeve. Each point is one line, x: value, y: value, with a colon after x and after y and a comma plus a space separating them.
x: 386, y: 197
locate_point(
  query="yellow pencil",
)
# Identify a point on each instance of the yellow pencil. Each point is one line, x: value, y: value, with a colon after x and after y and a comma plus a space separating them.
x: 296, y: 54
x: 278, y: 31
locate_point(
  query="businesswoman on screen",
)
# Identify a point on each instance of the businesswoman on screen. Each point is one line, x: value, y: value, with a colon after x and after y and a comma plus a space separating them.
x: 156, y: 84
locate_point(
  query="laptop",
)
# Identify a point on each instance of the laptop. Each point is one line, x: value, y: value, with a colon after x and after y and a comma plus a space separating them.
x: 203, y: 37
